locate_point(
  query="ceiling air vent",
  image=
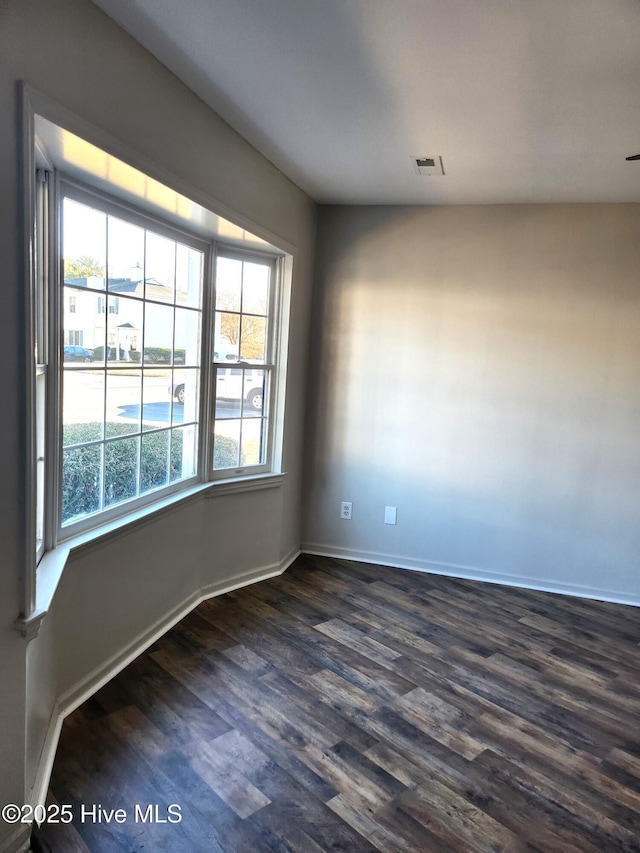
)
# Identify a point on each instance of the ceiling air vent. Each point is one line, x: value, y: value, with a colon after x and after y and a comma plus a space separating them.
x: 428, y: 165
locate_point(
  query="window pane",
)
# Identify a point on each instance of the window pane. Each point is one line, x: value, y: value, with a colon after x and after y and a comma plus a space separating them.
x: 83, y: 327
x: 126, y: 258
x: 227, y: 337
x: 82, y: 406
x: 187, y: 337
x: 81, y: 487
x: 255, y: 288
x: 228, y: 284
x: 226, y: 448
x: 124, y: 388
x: 124, y: 331
x: 229, y: 392
x: 158, y: 334
x: 160, y: 268
x: 41, y: 399
x: 184, y: 392
x: 253, y: 338
x: 84, y: 245
x: 156, y: 402
x: 154, y: 461
x: 188, y: 276
x: 120, y: 470
x: 183, y: 453
x: 253, y: 443
x: 254, y: 394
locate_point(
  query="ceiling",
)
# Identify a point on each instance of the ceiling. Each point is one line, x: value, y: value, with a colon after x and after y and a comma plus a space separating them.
x: 525, y: 100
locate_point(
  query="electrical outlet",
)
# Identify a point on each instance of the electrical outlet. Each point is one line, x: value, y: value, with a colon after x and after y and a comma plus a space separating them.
x: 345, y: 510
x: 390, y: 514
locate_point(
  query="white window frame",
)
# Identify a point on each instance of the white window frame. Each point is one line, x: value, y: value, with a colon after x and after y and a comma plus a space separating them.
x: 99, y: 200
x: 270, y: 366
x: 44, y: 240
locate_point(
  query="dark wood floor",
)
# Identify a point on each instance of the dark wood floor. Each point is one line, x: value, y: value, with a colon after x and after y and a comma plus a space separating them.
x: 348, y: 707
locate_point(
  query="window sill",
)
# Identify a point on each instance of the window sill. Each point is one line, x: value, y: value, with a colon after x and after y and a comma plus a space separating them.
x: 53, y: 562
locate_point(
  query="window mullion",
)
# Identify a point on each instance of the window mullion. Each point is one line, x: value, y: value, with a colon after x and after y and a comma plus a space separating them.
x: 207, y: 370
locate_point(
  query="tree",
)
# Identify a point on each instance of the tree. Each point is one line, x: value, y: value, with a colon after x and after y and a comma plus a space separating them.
x: 82, y: 267
x: 253, y: 334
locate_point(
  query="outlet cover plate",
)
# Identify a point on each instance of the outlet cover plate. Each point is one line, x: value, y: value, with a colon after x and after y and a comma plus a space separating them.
x: 390, y: 514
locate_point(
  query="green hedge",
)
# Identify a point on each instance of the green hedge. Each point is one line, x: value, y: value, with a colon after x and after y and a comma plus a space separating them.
x: 152, y: 355
x: 81, y: 469
x: 162, y: 355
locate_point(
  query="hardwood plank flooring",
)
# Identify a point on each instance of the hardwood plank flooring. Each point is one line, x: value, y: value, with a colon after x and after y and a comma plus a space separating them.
x: 352, y: 707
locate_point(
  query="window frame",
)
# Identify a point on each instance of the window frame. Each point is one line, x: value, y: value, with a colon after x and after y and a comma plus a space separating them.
x: 65, y: 186
x: 271, y: 362
x: 111, y: 205
x: 44, y: 242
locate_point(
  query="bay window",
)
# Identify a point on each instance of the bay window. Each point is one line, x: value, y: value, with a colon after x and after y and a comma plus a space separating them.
x: 164, y: 350
x: 155, y: 342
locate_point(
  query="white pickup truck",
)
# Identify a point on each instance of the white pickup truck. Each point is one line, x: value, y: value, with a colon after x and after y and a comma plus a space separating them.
x: 240, y: 382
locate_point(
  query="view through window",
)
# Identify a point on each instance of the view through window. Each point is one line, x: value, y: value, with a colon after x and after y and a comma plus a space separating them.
x: 132, y: 325
x: 243, y: 338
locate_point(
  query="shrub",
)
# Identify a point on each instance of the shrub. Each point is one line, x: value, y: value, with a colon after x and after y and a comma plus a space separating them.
x: 157, y: 355
x: 162, y: 355
x: 160, y: 463
x: 80, y: 481
x: 98, y: 353
x: 152, y: 355
x: 225, y: 453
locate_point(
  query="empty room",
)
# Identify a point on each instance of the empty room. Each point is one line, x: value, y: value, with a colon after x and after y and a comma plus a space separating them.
x: 319, y: 506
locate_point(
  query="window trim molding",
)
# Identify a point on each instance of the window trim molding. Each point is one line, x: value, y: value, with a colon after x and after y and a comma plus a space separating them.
x: 27, y: 194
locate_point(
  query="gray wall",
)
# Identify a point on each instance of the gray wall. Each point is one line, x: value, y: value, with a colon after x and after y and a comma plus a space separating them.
x: 479, y: 368
x: 72, y: 52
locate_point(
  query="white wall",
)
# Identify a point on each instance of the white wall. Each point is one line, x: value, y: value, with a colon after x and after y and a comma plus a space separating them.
x: 70, y: 51
x: 479, y: 368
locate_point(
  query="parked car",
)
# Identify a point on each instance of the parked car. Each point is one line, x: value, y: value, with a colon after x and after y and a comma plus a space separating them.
x: 73, y: 353
x: 230, y: 386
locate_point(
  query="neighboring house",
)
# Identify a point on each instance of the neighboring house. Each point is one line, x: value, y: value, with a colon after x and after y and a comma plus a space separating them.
x: 87, y: 306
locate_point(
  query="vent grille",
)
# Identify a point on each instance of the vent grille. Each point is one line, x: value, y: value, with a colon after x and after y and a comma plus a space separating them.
x: 428, y: 166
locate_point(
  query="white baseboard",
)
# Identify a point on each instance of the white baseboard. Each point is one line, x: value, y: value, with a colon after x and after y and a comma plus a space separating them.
x: 253, y: 576
x: 79, y: 693
x: 470, y: 573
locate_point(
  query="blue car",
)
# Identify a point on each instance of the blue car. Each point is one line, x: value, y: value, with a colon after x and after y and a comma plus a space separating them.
x: 72, y: 353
